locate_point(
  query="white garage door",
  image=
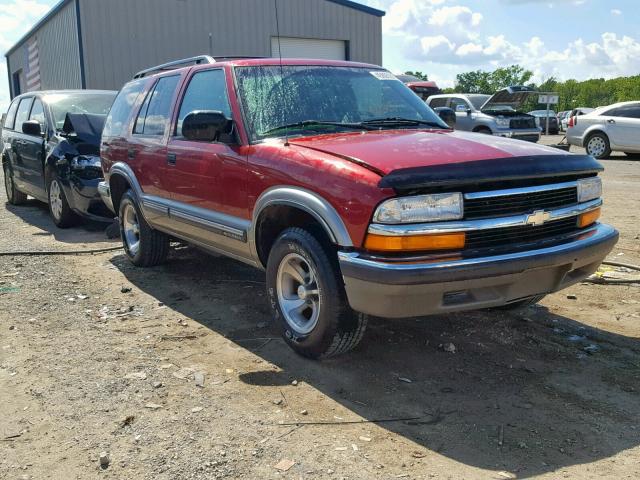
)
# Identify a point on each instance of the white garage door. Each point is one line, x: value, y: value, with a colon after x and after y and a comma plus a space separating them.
x: 309, y: 48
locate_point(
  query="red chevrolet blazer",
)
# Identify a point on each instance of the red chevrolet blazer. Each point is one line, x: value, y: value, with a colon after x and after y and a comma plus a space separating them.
x: 349, y: 191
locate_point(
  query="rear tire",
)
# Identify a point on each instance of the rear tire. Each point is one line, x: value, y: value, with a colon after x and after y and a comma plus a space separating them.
x: 59, y: 209
x: 597, y: 145
x: 14, y: 196
x: 307, y: 296
x: 520, y: 304
x: 484, y: 130
x: 143, y: 245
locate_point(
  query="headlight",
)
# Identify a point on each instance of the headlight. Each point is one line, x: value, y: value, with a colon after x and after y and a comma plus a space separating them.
x: 503, y: 122
x: 421, y: 208
x: 84, y: 161
x: 589, y: 189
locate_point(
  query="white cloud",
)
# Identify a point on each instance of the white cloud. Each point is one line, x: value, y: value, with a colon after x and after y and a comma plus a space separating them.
x: 615, y: 11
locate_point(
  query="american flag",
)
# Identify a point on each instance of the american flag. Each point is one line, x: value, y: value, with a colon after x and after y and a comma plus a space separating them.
x: 33, y: 65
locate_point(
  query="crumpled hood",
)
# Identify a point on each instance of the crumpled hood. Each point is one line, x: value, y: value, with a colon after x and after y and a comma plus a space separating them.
x: 386, y: 151
x: 514, y: 96
x: 87, y: 127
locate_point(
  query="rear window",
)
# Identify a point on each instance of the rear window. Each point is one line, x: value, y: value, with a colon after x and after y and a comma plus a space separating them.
x: 116, y: 122
x: 11, y: 115
x: 154, y: 113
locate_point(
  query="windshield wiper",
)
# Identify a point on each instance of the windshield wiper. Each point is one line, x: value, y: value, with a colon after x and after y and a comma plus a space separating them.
x: 317, y: 123
x: 396, y: 121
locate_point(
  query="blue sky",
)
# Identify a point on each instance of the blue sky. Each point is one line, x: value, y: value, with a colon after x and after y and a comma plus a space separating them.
x: 564, y: 38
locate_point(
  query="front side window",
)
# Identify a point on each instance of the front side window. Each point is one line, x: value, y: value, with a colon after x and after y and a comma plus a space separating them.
x: 207, y: 90
x: 154, y: 113
x: 326, y: 99
x: 11, y: 115
x: 459, y: 105
x: 116, y: 122
x: 23, y: 112
x: 37, y: 114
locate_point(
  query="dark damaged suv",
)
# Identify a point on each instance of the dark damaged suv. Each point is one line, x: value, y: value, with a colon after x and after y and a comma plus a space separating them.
x: 349, y: 191
x: 51, y: 151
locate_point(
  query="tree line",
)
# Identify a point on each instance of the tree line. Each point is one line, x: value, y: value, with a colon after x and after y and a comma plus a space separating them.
x: 573, y: 93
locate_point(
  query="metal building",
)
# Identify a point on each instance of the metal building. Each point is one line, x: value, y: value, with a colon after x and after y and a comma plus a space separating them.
x: 102, y: 43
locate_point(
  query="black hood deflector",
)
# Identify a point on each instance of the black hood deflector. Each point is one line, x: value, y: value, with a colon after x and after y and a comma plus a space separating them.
x: 490, y: 172
x: 88, y: 127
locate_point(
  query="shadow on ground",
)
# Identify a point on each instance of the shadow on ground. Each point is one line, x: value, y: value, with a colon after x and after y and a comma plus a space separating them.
x: 36, y: 214
x: 529, y: 393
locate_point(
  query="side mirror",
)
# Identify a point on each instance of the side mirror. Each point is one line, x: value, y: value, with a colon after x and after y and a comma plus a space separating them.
x: 447, y: 114
x: 32, y: 127
x: 206, y: 125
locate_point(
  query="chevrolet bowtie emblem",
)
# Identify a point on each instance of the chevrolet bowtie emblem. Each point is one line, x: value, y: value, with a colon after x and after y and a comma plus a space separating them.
x: 538, y: 218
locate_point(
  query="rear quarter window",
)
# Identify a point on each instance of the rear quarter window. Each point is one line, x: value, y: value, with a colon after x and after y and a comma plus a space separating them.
x: 120, y: 112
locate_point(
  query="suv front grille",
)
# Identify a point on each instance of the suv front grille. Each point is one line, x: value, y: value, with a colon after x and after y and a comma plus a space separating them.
x: 518, y: 235
x: 522, y: 123
x: 521, y: 203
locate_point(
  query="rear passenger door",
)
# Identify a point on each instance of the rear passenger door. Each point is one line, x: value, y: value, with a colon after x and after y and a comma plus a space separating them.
x: 623, y: 126
x: 147, y: 150
x: 208, y: 179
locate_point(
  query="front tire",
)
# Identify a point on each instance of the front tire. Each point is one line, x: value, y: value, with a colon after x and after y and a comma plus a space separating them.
x: 14, y: 196
x: 598, y: 146
x: 143, y: 245
x: 307, y: 296
x: 59, y: 209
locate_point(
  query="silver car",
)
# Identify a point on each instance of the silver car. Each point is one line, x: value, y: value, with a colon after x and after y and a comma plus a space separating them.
x: 607, y: 129
x: 495, y: 114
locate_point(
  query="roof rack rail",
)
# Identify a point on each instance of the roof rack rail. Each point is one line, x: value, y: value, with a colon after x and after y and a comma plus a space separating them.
x: 198, y: 60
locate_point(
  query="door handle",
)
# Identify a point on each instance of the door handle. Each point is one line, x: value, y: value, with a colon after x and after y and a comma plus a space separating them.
x: 172, y: 158
x: 131, y: 154
x: 611, y: 120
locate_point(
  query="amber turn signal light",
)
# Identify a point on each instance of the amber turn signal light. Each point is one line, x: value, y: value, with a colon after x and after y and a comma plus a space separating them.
x: 414, y: 243
x: 588, y: 218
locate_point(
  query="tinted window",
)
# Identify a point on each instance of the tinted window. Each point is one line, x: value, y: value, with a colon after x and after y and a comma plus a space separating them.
x: 459, y: 104
x: 206, y: 91
x: 438, y: 102
x: 11, y: 115
x: 116, y: 122
x: 37, y: 113
x: 23, y: 113
x: 154, y: 114
x: 629, y: 111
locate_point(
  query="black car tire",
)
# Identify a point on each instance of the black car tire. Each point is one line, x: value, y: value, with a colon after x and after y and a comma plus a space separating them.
x: 520, y: 304
x: 14, y: 196
x: 59, y: 209
x: 143, y: 245
x: 600, y: 153
x: 484, y: 130
x: 331, y: 326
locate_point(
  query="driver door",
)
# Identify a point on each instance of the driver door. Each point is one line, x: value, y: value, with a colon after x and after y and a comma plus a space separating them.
x: 464, y: 120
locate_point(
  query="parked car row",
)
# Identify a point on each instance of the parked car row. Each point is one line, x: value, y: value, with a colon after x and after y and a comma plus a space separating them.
x: 346, y: 188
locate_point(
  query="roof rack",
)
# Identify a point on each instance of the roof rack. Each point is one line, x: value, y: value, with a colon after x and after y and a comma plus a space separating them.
x: 185, y: 62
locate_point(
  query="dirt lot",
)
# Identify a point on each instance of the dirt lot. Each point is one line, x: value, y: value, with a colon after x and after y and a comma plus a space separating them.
x: 96, y: 355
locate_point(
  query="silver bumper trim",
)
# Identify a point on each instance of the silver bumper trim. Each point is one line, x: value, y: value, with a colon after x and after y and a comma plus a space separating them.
x: 105, y: 194
x: 474, y: 225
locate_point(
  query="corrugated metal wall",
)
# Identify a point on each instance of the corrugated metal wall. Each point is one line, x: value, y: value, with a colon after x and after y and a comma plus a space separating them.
x: 58, y: 51
x: 121, y: 37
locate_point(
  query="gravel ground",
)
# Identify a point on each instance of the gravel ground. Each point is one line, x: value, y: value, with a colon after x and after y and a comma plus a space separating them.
x: 176, y: 373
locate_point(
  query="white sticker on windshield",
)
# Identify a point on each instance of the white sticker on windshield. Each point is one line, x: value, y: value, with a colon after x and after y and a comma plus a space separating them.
x: 382, y: 75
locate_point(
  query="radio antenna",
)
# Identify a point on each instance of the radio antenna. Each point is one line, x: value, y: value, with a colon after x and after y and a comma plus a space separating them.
x: 282, y: 91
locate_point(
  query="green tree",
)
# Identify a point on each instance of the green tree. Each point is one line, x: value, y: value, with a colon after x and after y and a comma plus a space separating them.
x: 480, y: 81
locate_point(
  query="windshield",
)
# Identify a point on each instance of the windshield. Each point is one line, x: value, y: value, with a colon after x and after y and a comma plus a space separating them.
x: 478, y: 100
x: 326, y: 99
x: 63, y: 103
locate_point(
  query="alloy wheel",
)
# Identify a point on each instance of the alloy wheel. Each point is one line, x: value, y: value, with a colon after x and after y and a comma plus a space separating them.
x: 55, y: 199
x: 596, y: 146
x: 131, y: 227
x: 298, y: 293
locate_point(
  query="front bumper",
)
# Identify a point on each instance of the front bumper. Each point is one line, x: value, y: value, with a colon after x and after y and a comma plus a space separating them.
x: 530, y: 135
x: 399, y: 290
x: 105, y: 194
x: 84, y: 199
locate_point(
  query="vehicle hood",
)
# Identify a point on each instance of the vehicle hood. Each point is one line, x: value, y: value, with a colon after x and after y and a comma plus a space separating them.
x: 87, y: 127
x: 389, y: 150
x: 513, y: 96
